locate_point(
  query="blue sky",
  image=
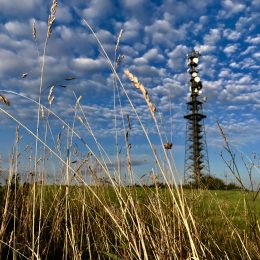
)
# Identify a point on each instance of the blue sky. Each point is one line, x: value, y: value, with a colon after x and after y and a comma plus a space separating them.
x: 157, y: 35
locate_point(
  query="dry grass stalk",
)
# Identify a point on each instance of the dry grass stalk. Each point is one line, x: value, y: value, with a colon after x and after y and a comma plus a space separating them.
x: 5, y: 100
x: 58, y: 139
x: 51, y: 100
x: 128, y: 121
x: 51, y: 18
x: 81, y: 120
x: 118, y: 39
x: 78, y: 100
x: 145, y: 93
x: 222, y: 133
x: 17, y: 137
x: 34, y: 30
x: 42, y: 111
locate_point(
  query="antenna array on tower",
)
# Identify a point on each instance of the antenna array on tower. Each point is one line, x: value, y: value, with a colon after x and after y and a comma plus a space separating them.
x: 196, y: 152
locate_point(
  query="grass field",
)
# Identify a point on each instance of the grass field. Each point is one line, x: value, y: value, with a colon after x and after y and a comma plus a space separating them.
x: 133, y: 223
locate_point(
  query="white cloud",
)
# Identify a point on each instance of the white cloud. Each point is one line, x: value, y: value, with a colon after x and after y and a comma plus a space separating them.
x: 253, y: 40
x: 245, y: 80
x: 201, y: 24
x: 148, y: 71
x: 169, y: 88
x: 230, y: 8
x: 63, y: 14
x: 151, y: 55
x: 234, y: 65
x: 249, y: 63
x: 246, y: 24
x: 212, y: 37
x: 88, y: 64
x: 225, y: 73
x: 16, y: 6
x: 18, y: 28
x: 231, y: 35
x: 177, y: 57
x: 133, y: 3
x: 105, y: 37
x: 129, y: 51
x: 131, y: 29
x: 256, y: 55
x: 208, y: 65
x: 248, y: 50
x: 205, y: 48
x: 162, y: 33
x: 230, y: 49
x: 98, y: 10
x: 12, y: 64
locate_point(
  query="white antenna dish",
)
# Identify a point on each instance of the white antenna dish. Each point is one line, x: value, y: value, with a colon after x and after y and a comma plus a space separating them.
x: 195, y: 60
x: 197, y: 79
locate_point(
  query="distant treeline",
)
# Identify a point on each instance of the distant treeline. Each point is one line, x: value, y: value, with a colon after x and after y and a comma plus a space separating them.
x: 212, y: 183
x: 206, y: 182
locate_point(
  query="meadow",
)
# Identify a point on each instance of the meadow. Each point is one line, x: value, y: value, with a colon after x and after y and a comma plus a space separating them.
x: 108, y: 217
x: 129, y: 223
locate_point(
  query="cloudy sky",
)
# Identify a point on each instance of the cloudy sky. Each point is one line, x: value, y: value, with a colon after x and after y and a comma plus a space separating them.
x: 157, y: 36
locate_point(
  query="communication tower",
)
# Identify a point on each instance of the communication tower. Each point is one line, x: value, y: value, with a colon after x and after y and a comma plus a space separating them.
x: 196, y: 152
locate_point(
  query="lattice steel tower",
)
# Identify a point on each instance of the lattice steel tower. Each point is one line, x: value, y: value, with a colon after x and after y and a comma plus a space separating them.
x: 196, y: 152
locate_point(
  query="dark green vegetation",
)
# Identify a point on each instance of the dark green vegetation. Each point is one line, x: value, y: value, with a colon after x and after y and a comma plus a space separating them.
x: 212, y: 183
x: 118, y: 222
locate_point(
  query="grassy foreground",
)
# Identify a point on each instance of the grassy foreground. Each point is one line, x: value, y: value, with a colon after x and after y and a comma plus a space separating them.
x: 130, y: 223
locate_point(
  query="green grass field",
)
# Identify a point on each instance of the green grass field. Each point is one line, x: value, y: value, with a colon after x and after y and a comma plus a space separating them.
x: 224, y: 224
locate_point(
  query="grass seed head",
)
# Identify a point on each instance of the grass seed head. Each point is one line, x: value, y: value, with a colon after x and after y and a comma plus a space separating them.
x: 50, y: 96
x: 167, y: 145
x: 119, y: 59
x: 118, y: 39
x: 51, y: 18
x: 5, y: 100
x: 145, y: 93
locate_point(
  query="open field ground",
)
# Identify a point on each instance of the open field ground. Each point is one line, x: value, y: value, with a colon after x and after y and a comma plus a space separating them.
x: 130, y: 223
